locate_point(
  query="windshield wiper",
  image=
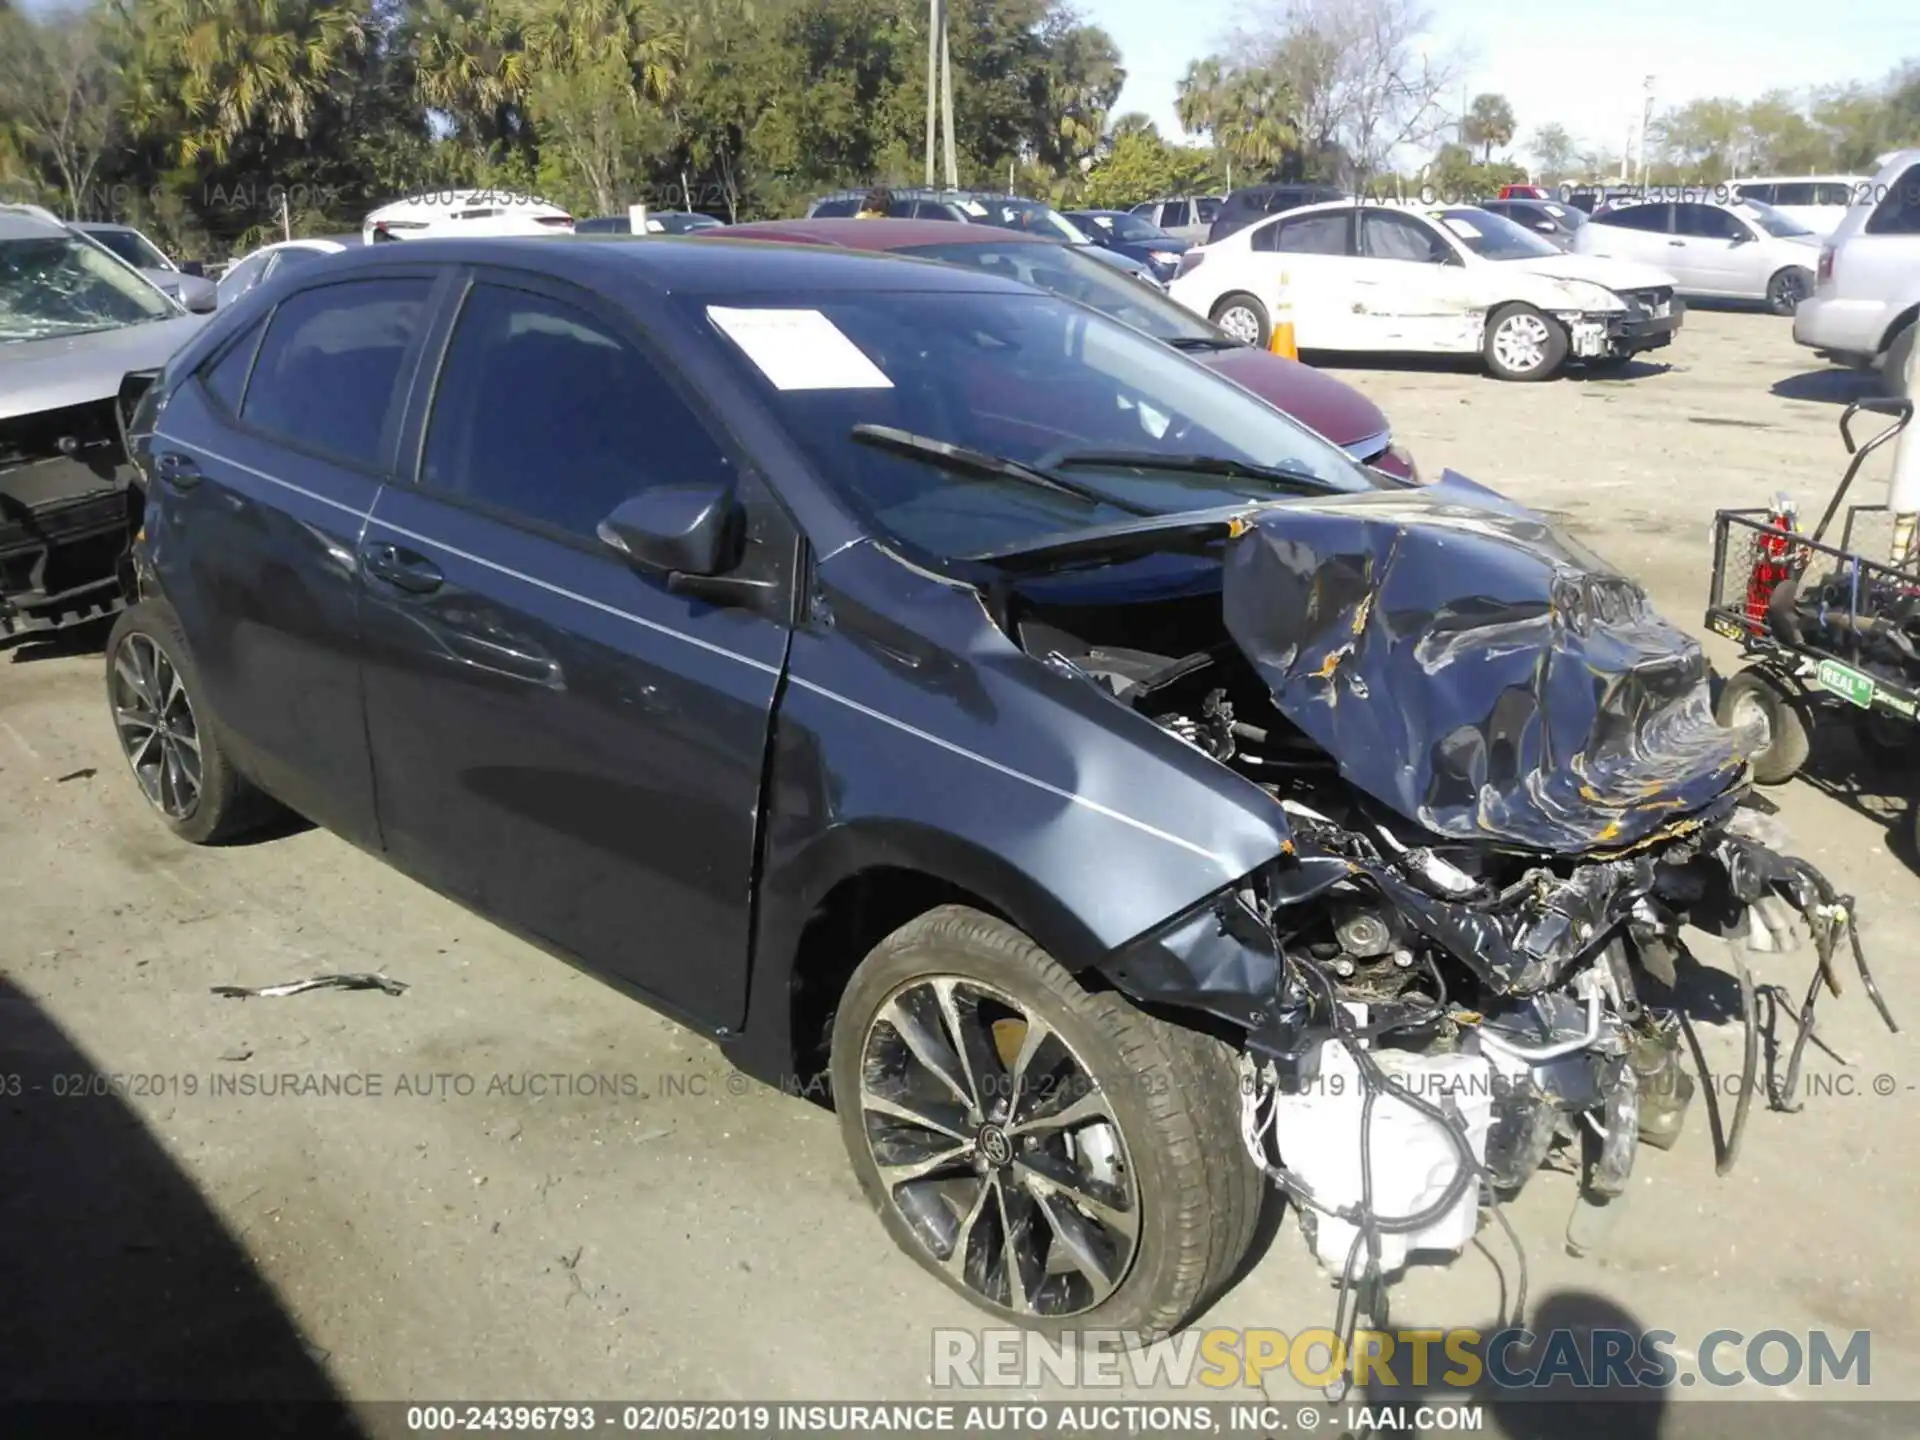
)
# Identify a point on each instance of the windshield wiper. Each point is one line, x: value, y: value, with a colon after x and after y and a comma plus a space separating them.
x: 1206, y: 342
x: 1297, y: 476
x: 959, y: 460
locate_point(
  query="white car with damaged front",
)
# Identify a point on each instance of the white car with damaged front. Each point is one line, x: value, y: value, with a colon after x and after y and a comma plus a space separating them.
x: 1400, y: 279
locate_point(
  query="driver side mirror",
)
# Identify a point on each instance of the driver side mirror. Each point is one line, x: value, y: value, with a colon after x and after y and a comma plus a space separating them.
x: 1742, y: 238
x: 678, y: 530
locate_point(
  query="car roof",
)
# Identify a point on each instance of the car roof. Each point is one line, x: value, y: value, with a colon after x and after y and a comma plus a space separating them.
x: 445, y: 202
x: 105, y: 225
x: 1835, y: 177
x: 883, y: 234
x: 665, y: 264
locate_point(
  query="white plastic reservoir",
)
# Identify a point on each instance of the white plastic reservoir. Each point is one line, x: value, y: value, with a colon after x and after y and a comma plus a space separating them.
x: 1317, y: 1133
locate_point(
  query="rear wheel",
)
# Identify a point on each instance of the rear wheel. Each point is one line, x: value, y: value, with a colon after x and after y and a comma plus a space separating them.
x: 1244, y: 318
x: 166, y: 734
x: 1056, y: 1156
x: 1760, y: 703
x: 1788, y: 288
x: 1523, y: 344
x: 1893, y: 368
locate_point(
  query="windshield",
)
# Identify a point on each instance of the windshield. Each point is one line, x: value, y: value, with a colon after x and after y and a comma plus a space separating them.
x: 62, y: 285
x: 1130, y: 228
x: 1775, y: 223
x: 1493, y: 237
x: 1089, y: 282
x: 1028, y: 215
x: 132, y: 247
x: 1016, y: 376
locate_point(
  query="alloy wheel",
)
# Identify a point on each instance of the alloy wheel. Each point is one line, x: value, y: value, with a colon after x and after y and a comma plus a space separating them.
x: 157, y: 727
x: 998, y: 1148
x: 1789, y: 288
x: 1241, y: 323
x: 1521, y: 342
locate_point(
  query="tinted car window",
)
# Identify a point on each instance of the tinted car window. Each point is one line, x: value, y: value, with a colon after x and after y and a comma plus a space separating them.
x: 226, y: 375
x: 1765, y: 194
x: 544, y: 413
x: 1396, y: 237
x: 1832, y: 193
x: 328, y: 367
x: 1799, y: 192
x: 242, y: 277
x: 1177, y: 212
x: 1309, y: 235
x: 1706, y: 222
x: 1899, y: 210
x: 1636, y: 217
x: 1209, y: 210
x: 834, y: 209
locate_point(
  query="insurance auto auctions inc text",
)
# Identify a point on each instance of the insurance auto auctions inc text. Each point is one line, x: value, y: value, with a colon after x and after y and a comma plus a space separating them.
x: 1461, y: 1360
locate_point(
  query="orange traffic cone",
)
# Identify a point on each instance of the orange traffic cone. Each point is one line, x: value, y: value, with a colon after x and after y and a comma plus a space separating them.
x: 1280, y: 342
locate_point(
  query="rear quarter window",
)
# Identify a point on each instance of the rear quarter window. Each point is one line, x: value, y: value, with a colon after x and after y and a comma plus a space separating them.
x: 329, y: 367
x: 1898, y: 212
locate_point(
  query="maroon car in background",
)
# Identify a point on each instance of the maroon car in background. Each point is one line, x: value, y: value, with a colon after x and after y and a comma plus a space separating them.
x: 1323, y: 404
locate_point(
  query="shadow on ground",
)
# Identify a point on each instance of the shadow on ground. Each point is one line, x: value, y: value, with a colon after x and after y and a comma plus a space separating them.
x: 1831, y: 386
x: 123, y: 1287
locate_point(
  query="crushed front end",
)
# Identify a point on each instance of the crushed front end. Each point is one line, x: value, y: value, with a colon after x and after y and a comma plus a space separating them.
x: 1510, y: 806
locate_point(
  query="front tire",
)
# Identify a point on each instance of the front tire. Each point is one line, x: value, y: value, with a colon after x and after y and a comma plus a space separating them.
x: 1056, y: 1156
x: 1523, y: 344
x: 1893, y: 367
x: 167, y: 735
x: 1759, y: 698
x: 1788, y: 288
x: 1244, y: 318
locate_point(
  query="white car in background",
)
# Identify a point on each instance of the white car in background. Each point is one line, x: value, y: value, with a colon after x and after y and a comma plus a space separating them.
x: 445, y: 213
x: 1865, y: 306
x: 1819, y: 202
x: 269, y: 260
x: 1448, y: 280
x: 1747, y: 251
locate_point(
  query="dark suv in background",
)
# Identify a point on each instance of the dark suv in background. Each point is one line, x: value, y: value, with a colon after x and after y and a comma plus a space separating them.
x: 1256, y: 202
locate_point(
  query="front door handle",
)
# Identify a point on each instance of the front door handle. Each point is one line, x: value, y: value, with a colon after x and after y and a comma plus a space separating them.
x: 402, y: 569
x: 1676, y: 242
x: 177, y: 470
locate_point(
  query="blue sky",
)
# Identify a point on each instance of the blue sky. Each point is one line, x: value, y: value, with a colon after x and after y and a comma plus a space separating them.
x: 1580, y: 62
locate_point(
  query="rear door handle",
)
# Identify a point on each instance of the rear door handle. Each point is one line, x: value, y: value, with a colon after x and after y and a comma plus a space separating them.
x: 402, y: 569
x: 1676, y: 242
x: 177, y: 470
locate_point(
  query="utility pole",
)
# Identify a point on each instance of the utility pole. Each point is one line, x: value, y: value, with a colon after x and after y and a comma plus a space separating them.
x: 940, y: 92
x: 1646, y: 124
x: 933, y: 81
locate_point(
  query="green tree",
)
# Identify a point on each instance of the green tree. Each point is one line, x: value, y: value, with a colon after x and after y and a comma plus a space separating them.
x: 60, y: 93
x: 1247, y: 114
x: 1553, y: 151
x: 1140, y: 166
x: 1487, y: 123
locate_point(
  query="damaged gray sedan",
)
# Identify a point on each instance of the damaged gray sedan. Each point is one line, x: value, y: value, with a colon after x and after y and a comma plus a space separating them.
x: 1115, y: 798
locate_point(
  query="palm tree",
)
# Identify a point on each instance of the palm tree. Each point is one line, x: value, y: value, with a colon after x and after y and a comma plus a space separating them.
x: 223, y: 67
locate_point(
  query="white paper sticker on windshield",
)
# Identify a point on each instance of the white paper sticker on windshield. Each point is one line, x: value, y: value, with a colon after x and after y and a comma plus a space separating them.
x: 1462, y: 228
x: 973, y: 207
x: 799, y: 349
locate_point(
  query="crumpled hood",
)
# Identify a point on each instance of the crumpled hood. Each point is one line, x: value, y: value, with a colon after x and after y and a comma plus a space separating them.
x: 1475, y: 670
x: 1598, y: 269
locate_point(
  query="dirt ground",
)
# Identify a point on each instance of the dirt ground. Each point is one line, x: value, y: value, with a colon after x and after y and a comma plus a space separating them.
x: 650, y: 1224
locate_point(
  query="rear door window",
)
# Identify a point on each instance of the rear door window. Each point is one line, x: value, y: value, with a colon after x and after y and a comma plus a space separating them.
x: 547, y: 416
x: 1899, y: 210
x: 1708, y: 222
x: 329, y: 367
x: 1177, y: 212
x: 1308, y: 235
x: 225, y: 377
x: 1637, y: 217
x: 1794, y: 192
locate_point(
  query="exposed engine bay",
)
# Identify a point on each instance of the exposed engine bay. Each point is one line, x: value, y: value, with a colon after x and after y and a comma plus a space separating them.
x: 1508, y: 802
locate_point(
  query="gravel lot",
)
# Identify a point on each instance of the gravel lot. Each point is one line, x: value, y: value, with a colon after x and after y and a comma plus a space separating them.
x: 690, y: 1235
